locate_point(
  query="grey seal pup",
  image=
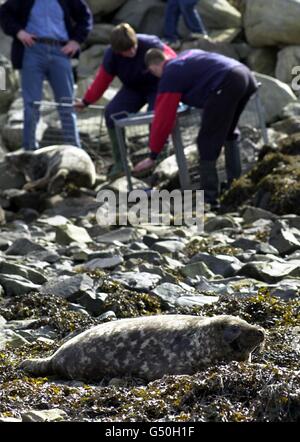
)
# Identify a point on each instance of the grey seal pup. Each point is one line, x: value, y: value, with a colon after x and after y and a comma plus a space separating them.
x: 54, y: 166
x: 150, y: 347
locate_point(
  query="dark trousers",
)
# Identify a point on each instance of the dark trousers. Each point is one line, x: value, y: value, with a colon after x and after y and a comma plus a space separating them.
x: 222, y: 111
x: 128, y: 100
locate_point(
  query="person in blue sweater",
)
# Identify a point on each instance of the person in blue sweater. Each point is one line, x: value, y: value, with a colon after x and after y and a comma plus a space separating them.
x: 46, y: 35
x: 219, y: 85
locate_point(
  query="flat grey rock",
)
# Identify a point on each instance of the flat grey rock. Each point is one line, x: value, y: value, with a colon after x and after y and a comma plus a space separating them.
x: 224, y: 265
x: 142, y: 281
x: 69, y: 287
x: 15, y: 285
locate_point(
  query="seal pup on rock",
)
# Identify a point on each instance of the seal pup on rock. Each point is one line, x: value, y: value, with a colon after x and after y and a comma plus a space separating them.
x: 150, y: 347
x: 54, y: 166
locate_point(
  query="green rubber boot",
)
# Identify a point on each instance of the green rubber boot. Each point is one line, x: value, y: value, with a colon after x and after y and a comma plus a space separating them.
x: 209, y: 182
x: 232, y: 160
x: 117, y: 169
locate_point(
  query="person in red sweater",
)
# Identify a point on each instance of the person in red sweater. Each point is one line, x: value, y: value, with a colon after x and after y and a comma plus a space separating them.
x: 219, y: 85
x: 124, y: 58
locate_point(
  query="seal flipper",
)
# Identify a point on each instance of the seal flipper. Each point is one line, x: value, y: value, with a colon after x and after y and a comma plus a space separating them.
x: 37, y: 367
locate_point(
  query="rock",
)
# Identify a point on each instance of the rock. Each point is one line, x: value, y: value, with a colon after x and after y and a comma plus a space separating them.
x: 15, y: 285
x: 122, y: 235
x: 54, y: 415
x: 253, y: 244
x: 107, y: 316
x: 169, y: 246
x: 68, y: 287
x: 90, y: 60
x: 270, y: 272
x: 252, y: 214
x: 53, y: 221
x: 145, y: 16
x: 10, y: 419
x: 290, y: 125
x: 24, y: 246
x: 93, y: 302
x: 196, y: 300
x: 274, y: 96
x: 142, y: 281
x: 197, y: 269
x: 22, y: 270
x: 102, y: 263
x: 104, y: 7
x: 10, y: 179
x: 9, y: 86
x: 219, y: 14
x: 287, y: 59
x: 169, y: 293
x: 285, y: 240
x: 100, y: 34
x: 287, y: 289
x: 146, y: 255
x: 2, y: 321
x: 9, y: 337
x: 68, y: 233
x: 220, y: 222
x: 219, y: 264
x: 271, y: 24
x: 291, y: 110
x: 263, y: 60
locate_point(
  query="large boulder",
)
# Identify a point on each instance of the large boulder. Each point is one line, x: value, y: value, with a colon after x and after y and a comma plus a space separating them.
x: 272, y: 22
x: 104, y: 7
x: 145, y: 16
x: 8, y: 83
x: 274, y: 96
x: 219, y: 14
x: 263, y: 60
x: 287, y: 59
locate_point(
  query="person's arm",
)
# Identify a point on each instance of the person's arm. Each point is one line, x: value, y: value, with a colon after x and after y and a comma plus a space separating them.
x: 164, y: 119
x: 98, y: 87
x: 9, y: 18
x: 83, y: 19
x: 169, y: 51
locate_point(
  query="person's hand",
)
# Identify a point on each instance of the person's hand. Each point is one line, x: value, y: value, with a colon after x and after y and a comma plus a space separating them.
x: 79, y: 105
x: 144, y: 165
x: 71, y: 48
x: 27, y: 39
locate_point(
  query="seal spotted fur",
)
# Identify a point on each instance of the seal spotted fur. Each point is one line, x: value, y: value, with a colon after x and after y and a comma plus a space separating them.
x: 52, y: 167
x: 149, y: 347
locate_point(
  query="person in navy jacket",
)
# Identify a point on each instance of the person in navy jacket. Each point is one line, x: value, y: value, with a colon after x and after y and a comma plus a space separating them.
x: 46, y: 35
x: 124, y: 58
x: 221, y: 86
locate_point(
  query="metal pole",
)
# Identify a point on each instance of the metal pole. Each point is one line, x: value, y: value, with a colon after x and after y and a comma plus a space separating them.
x: 183, y: 171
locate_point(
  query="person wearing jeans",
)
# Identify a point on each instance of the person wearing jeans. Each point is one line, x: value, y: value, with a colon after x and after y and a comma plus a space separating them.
x: 46, y: 35
x: 192, y: 19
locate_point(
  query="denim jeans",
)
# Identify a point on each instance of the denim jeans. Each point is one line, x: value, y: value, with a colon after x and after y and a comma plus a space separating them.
x: 47, y: 62
x: 186, y: 8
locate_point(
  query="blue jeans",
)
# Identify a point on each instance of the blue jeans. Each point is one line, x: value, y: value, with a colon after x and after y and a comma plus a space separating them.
x: 186, y: 8
x: 41, y: 62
